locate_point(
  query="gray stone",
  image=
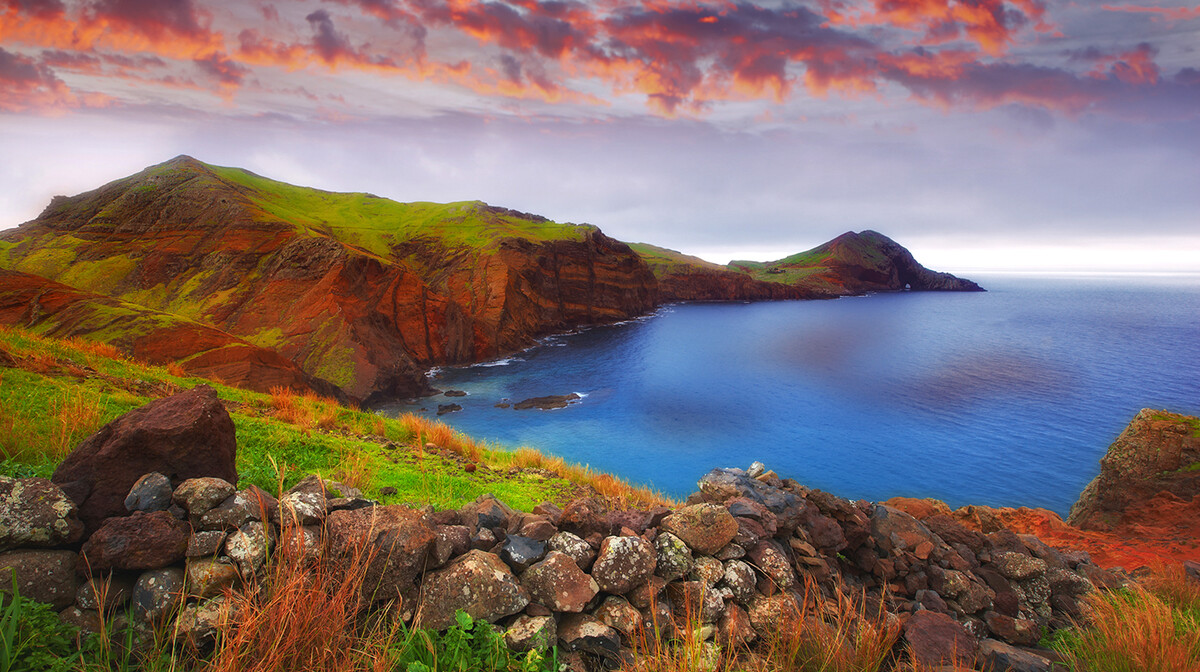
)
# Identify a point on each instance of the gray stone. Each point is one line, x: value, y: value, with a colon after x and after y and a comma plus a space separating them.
x: 520, y: 553
x: 1018, y: 566
x: 674, y: 557
x: 740, y: 580
x: 205, y: 544
x: 35, y: 512
x: 198, y: 495
x: 248, y: 547
x: 573, y: 546
x: 109, y: 592
x: 157, y: 593
x: 151, y: 492
x: 302, y: 508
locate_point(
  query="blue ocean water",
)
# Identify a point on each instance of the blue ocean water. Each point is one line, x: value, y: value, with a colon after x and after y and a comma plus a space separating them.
x: 1005, y: 398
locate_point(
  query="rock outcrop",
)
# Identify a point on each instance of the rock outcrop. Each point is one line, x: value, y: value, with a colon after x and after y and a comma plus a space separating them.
x: 1156, y: 457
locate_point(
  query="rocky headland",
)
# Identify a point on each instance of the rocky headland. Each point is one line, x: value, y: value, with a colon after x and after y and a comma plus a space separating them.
x: 149, y: 510
x: 262, y: 284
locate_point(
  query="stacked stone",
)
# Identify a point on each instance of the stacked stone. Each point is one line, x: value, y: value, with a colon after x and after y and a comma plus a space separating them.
x: 735, y: 559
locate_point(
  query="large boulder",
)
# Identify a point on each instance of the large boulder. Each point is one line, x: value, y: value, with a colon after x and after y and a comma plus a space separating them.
x: 35, y: 512
x: 183, y: 436
x: 937, y: 639
x: 476, y: 582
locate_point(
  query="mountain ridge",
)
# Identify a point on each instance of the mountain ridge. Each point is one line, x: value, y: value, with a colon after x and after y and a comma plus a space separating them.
x: 368, y: 293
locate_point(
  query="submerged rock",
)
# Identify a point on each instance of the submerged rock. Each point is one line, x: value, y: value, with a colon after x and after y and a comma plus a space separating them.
x: 547, y: 403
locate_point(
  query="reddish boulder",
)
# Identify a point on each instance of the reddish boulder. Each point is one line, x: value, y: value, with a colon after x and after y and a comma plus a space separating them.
x: 187, y: 435
x: 705, y: 528
x: 394, y: 540
x: 584, y: 517
x: 140, y: 541
x: 43, y: 576
x: 937, y: 639
x: 559, y: 584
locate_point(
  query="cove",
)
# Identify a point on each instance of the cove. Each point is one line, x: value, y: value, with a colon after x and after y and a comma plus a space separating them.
x: 1007, y: 398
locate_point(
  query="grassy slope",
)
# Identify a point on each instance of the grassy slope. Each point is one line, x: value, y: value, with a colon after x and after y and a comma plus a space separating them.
x: 663, y: 261
x: 376, y: 224
x: 60, y: 392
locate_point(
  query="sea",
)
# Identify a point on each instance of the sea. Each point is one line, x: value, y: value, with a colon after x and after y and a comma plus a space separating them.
x: 1003, y: 398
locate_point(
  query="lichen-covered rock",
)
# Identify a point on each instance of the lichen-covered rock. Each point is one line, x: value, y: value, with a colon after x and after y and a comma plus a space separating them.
x: 776, y: 570
x: 705, y: 528
x: 395, y: 539
x: 708, y: 570
x: 618, y: 614
x: 1000, y: 657
x: 1067, y: 582
x: 622, y: 563
x: 35, y: 512
x: 558, y: 584
x: 1018, y: 566
x: 248, y: 547
x: 43, y: 576
x: 579, y: 550
x: 895, y: 530
x: 208, y: 577
x: 530, y: 633
x: 479, y: 583
x: 157, y: 593
x: 199, y: 623
x: 110, y: 591
x: 740, y: 580
x: 186, y: 435
x: 695, y: 600
x: 139, y: 541
x: 206, y: 543
x: 768, y: 612
x: 674, y: 557
x: 585, y: 633
x: 151, y: 492
x: 450, y: 541
x: 198, y: 495
x: 302, y: 508
x: 645, y: 594
x: 1013, y: 630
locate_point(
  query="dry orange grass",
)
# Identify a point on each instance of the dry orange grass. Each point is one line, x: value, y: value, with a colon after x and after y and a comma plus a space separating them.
x: 176, y: 370
x: 289, y: 408
x: 837, y: 634
x: 1136, y: 630
x: 75, y: 416
x: 94, y: 348
x: 303, y: 615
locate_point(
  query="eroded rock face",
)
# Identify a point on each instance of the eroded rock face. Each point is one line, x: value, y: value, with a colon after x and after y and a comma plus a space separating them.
x: 187, y: 435
x: 35, y: 512
x: 477, y: 582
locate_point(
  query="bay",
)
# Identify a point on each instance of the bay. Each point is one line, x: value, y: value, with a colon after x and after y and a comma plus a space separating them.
x: 1005, y: 398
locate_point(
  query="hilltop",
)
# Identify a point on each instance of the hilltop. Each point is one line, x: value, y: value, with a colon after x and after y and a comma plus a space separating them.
x: 351, y: 294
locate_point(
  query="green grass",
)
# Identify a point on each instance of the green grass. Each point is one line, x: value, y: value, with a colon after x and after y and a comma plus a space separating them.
x: 665, y: 262
x: 63, y: 391
x: 376, y: 224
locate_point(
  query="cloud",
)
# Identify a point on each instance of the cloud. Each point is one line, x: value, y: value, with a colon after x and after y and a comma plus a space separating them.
x: 29, y: 84
x: 1168, y: 14
x: 992, y: 24
x: 225, y: 71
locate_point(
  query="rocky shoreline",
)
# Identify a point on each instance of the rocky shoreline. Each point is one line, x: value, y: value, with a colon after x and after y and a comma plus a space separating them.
x: 169, y: 533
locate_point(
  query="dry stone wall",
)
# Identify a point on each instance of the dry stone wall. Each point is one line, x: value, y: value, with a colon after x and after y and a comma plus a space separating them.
x: 737, y: 556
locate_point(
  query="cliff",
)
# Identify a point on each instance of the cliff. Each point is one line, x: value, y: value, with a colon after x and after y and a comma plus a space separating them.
x: 361, y: 291
x: 362, y: 294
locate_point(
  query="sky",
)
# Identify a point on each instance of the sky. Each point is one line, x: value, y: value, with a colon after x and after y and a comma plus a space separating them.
x: 981, y: 134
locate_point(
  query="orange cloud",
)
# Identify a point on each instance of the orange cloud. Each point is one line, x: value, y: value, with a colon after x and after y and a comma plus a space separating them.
x: 991, y: 24
x: 28, y: 85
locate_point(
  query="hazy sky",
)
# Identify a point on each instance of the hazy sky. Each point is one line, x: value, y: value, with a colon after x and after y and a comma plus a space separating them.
x: 1018, y: 134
